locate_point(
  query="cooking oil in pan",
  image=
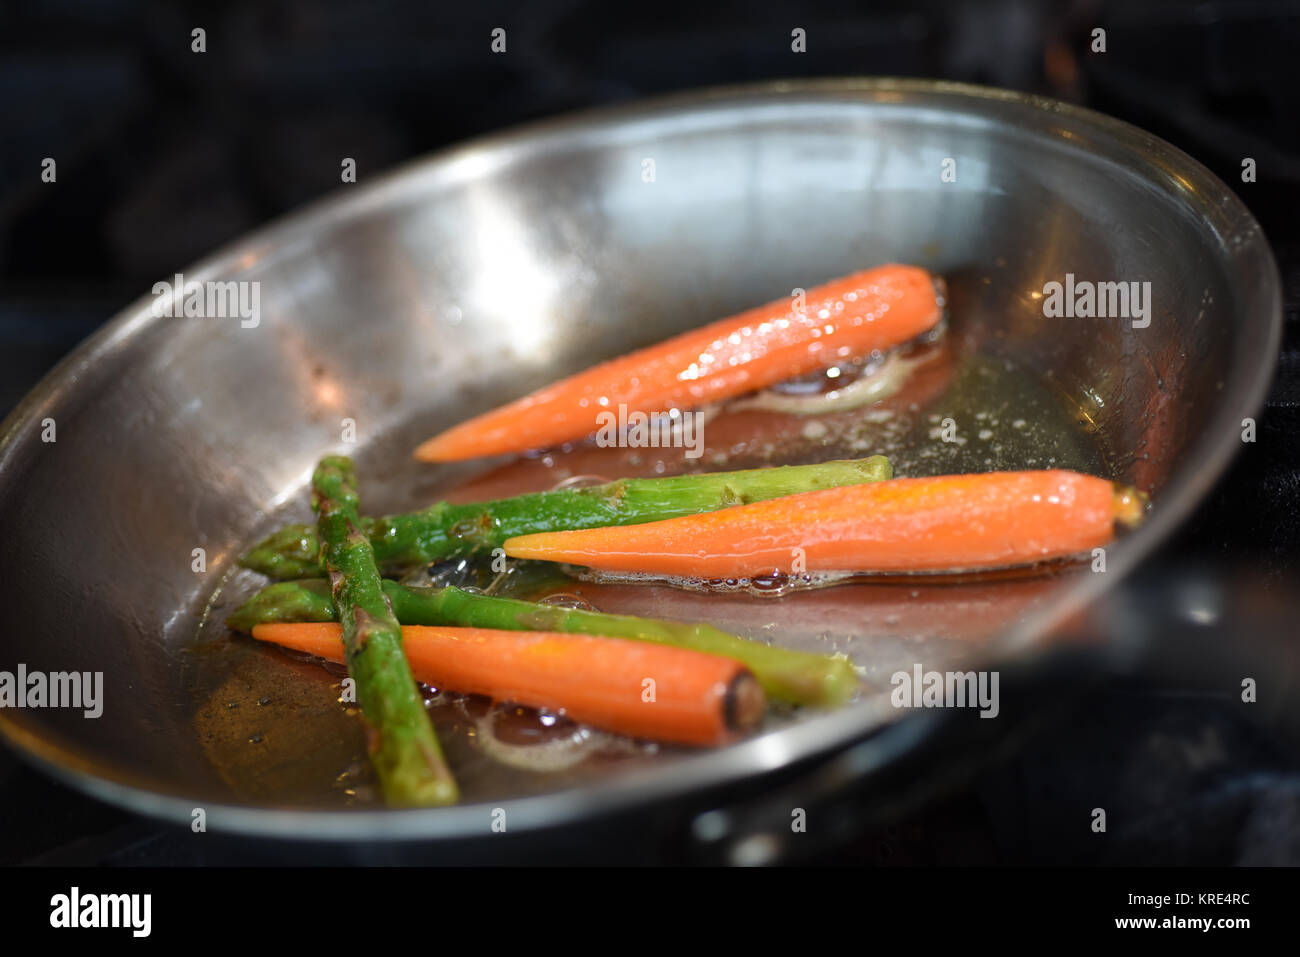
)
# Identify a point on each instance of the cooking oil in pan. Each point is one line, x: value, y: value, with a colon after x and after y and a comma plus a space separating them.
x: 273, y: 724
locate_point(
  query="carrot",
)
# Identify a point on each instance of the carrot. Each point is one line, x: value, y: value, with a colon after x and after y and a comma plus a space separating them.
x: 946, y: 523
x: 852, y: 316
x: 631, y: 687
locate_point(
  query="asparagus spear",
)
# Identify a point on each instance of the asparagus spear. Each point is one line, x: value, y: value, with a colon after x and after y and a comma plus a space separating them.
x: 403, y: 747
x: 796, y: 677
x: 444, y: 530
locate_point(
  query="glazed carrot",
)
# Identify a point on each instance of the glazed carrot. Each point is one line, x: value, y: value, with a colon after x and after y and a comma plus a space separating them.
x: 631, y: 687
x: 946, y: 523
x: 852, y: 316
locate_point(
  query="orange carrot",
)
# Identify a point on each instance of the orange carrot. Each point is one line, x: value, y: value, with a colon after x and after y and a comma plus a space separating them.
x: 852, y: 316
x: 635, y: 688
x: 947, y: 523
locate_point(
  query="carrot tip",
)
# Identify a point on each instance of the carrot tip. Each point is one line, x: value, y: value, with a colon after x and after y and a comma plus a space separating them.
x: 430, y: 450
x: 746, y: 703
x: 1130, y: 505
x: 536, y: 545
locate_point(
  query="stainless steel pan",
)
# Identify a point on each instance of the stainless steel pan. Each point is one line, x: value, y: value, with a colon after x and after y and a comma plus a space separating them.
x: 432, y: 293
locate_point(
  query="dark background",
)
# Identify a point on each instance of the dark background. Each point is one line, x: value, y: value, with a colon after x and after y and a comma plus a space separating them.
x: 164, y: 154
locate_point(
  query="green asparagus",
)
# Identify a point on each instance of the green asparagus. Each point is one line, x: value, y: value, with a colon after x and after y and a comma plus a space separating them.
x: 444, y: 530
x: 403, y: 747
x: 795, y: 677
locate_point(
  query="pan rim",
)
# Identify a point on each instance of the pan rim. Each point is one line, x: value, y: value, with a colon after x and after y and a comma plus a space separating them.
x: 1246, y: 384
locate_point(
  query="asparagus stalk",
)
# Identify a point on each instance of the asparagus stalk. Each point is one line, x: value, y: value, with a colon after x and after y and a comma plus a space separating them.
x: 444, y: 530
x: 403, y: 747
x: 796, y: 677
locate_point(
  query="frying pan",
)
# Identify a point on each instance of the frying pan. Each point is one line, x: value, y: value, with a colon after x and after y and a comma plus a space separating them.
x: 462, y: 280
